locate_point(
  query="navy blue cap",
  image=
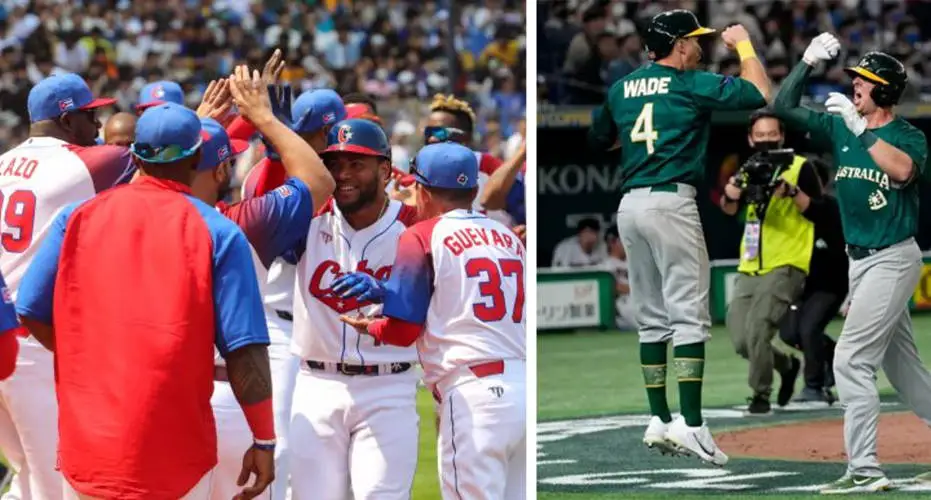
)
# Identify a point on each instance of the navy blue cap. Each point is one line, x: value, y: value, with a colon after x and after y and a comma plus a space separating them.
x: 59, y: 94
x: 159, y: 92
x: 316, y: 109
x: 359, y: 136
x: 166, y: 133
x: 446, y: 165
x: 217, y: 146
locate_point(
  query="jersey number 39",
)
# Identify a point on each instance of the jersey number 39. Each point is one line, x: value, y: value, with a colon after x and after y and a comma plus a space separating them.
x: 643, y: 128
x: 19, y: 219
x: 490, y: 288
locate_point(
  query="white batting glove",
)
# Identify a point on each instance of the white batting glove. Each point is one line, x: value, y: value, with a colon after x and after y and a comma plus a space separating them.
x: 823, y: 47
x: 839, y: 104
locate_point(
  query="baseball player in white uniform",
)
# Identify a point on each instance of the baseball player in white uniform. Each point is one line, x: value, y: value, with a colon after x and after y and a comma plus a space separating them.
x: 311, y: 116
x: 354, y: 424
x: 59, y: 164
x: 470, y: 332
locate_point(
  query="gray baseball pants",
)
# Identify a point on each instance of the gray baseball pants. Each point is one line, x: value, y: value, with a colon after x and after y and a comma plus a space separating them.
x: 878, y: 334
x: 668, y: 266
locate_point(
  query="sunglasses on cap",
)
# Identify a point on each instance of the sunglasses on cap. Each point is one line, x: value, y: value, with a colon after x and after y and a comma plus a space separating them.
x: 441, y: 134
x: 415, y: 172
x: 163, y: 154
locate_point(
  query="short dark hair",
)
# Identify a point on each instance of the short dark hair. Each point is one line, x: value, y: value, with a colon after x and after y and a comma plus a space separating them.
x: 457, y: 196
x: 588, y: 223
x: 360, y: 98
x: 612, y: 232
x: 764, y: 113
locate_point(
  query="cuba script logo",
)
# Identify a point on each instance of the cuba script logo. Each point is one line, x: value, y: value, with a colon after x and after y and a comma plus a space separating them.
x: 321, y: 284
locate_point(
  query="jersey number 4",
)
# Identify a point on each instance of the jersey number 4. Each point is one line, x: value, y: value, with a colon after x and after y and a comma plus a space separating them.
x: 19, y: 219
x: 490, y: 287
x: 643, y: 128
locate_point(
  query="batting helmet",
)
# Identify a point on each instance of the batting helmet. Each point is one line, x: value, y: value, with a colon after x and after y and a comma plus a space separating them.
x: 667, y: 27
x: 886, y: 72
x: 359, y: 136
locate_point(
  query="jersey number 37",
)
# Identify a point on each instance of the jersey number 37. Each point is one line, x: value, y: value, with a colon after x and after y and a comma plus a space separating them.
x: 643, y: 128
x: 490, y: 288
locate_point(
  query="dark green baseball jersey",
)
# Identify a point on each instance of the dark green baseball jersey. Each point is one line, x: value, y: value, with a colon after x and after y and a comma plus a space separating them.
x: 876, y: 212
x: 662, y: 118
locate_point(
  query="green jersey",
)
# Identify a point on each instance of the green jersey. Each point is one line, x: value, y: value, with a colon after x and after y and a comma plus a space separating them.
x: 875, y: 211
x: 662, y: 118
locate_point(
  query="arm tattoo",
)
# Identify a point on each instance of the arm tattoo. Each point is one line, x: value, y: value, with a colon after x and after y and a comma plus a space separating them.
x: 249, y: 374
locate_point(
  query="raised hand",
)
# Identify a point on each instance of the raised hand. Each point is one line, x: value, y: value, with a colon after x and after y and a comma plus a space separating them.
x: 839, y: 104
x: 250, y: 95
x: 823, y: 47
x: 217, y: 101
x: 273, y: 67
x: 734, y: 34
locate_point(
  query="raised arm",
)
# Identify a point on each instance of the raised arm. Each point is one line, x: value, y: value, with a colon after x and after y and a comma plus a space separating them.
x: 495, y: 193
x: 299, y: 158
x: 787, y: 106
x: 751, y: 68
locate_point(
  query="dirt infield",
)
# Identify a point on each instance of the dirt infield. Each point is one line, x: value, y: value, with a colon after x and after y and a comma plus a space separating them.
x: 903, y: 438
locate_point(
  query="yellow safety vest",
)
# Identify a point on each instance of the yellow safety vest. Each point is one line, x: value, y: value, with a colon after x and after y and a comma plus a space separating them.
x: 786, y: 237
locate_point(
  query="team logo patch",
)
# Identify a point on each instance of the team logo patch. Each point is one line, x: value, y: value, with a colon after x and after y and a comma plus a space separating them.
x: 344, y: 134
x: 223, y: 152
x: 327, y: 118
x: 7, y: 295
x: 463, y: 179
x: 284, y: 191
x: 65, y: 104
x: 158, y: 92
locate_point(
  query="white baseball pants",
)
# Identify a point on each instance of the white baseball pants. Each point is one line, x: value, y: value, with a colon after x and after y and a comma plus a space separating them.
x: 284, y: 367
x: 482, y: 446
x: 233, y: 439
x: 200, y: 491
x: 353, y: 432
x: 29, y: 425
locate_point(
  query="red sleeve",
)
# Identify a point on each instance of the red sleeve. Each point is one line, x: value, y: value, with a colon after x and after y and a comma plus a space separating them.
x: 394, y: 331
x: 9, y: 350
x: 266, y: 176
x: 408, y: 215
x: 488, y: 164
x: 108, y: 166
x: 240, y: 129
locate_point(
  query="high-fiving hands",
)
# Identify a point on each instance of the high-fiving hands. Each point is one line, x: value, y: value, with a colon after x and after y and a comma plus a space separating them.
x: 250, y: 95
x: 823, y: 47
x: 217, y: 102
x: 839, y: 104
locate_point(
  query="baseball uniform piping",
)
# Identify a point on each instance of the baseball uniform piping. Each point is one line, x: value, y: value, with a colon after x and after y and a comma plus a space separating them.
x: 362, y: 257
x: 452, y: 429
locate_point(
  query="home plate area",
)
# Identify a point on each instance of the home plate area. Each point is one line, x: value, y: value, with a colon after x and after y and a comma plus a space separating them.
x: 798, y: 449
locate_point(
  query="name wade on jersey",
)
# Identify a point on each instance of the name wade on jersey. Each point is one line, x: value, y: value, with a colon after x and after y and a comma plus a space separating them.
x: 329, y: 271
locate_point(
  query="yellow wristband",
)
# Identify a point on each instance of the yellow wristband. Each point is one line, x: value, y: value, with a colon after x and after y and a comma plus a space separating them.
x: 745, y: 50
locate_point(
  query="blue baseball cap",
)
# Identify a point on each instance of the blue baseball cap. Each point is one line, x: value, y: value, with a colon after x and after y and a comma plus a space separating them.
x: 316, y: 109
x: 445, y: 165
x: 167, y: 133
x: 60, y: 94
x: 160, y: 92
x: 217, y: 146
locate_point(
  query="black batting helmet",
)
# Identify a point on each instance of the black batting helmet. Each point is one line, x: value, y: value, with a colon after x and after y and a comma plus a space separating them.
x: 886, y: 72
x: 667, y: 27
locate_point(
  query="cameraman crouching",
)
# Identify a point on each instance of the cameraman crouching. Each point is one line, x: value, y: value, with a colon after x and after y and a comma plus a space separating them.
x: 775, y: 253
x: 825, y: 291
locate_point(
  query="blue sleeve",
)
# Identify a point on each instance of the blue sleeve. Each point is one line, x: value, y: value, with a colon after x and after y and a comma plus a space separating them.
x: 240, y: 319
x: 515, y: 204
x: 37, y: 289
x: 8, y: 319
x: 277, y: 221
x: 410, y: 287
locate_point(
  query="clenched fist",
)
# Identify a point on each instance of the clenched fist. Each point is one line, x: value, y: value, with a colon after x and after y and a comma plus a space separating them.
x: 823, y: 47
x: 734, y: 34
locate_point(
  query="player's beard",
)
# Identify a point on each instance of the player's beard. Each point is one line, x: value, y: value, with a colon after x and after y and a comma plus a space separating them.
x: 368, y: 194
x: 224, y: 190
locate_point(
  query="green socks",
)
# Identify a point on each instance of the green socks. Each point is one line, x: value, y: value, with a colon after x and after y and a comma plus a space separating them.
x: 653, y: 363
x: 690, y: 369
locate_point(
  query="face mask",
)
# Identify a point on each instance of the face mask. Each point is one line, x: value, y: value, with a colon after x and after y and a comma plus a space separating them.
x: 766, y: 145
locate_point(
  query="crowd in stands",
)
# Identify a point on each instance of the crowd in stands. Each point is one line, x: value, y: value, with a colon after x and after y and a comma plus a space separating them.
x: 586, y: 45
x: 396, y: 51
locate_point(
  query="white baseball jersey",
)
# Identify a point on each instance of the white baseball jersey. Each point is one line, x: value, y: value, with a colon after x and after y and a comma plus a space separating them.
x: 37, y: 179
x: 461, y: 275
x: 333, y: 249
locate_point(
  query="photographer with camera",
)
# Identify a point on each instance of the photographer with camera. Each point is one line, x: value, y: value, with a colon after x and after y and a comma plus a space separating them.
x: 775, y: 253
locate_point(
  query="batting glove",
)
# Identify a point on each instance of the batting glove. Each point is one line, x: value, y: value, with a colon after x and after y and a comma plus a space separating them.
x: 839, y: 104
x: 361, y: 285
x: 281, y: 108
x: 823, y: 47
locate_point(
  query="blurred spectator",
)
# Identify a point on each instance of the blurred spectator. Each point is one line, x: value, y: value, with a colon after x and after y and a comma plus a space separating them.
x: 616, y: 264
x: 583, y: 249
x: 578, y: 59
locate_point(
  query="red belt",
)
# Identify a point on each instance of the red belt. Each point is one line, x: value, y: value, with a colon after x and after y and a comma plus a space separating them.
x: 481, y: 370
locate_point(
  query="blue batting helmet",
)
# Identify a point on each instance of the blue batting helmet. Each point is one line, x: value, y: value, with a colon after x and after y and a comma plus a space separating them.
x: 358, y: 136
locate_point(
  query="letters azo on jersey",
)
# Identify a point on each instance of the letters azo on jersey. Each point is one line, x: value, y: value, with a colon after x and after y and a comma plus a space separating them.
x: 333, y: 249
x: 478, y: 313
